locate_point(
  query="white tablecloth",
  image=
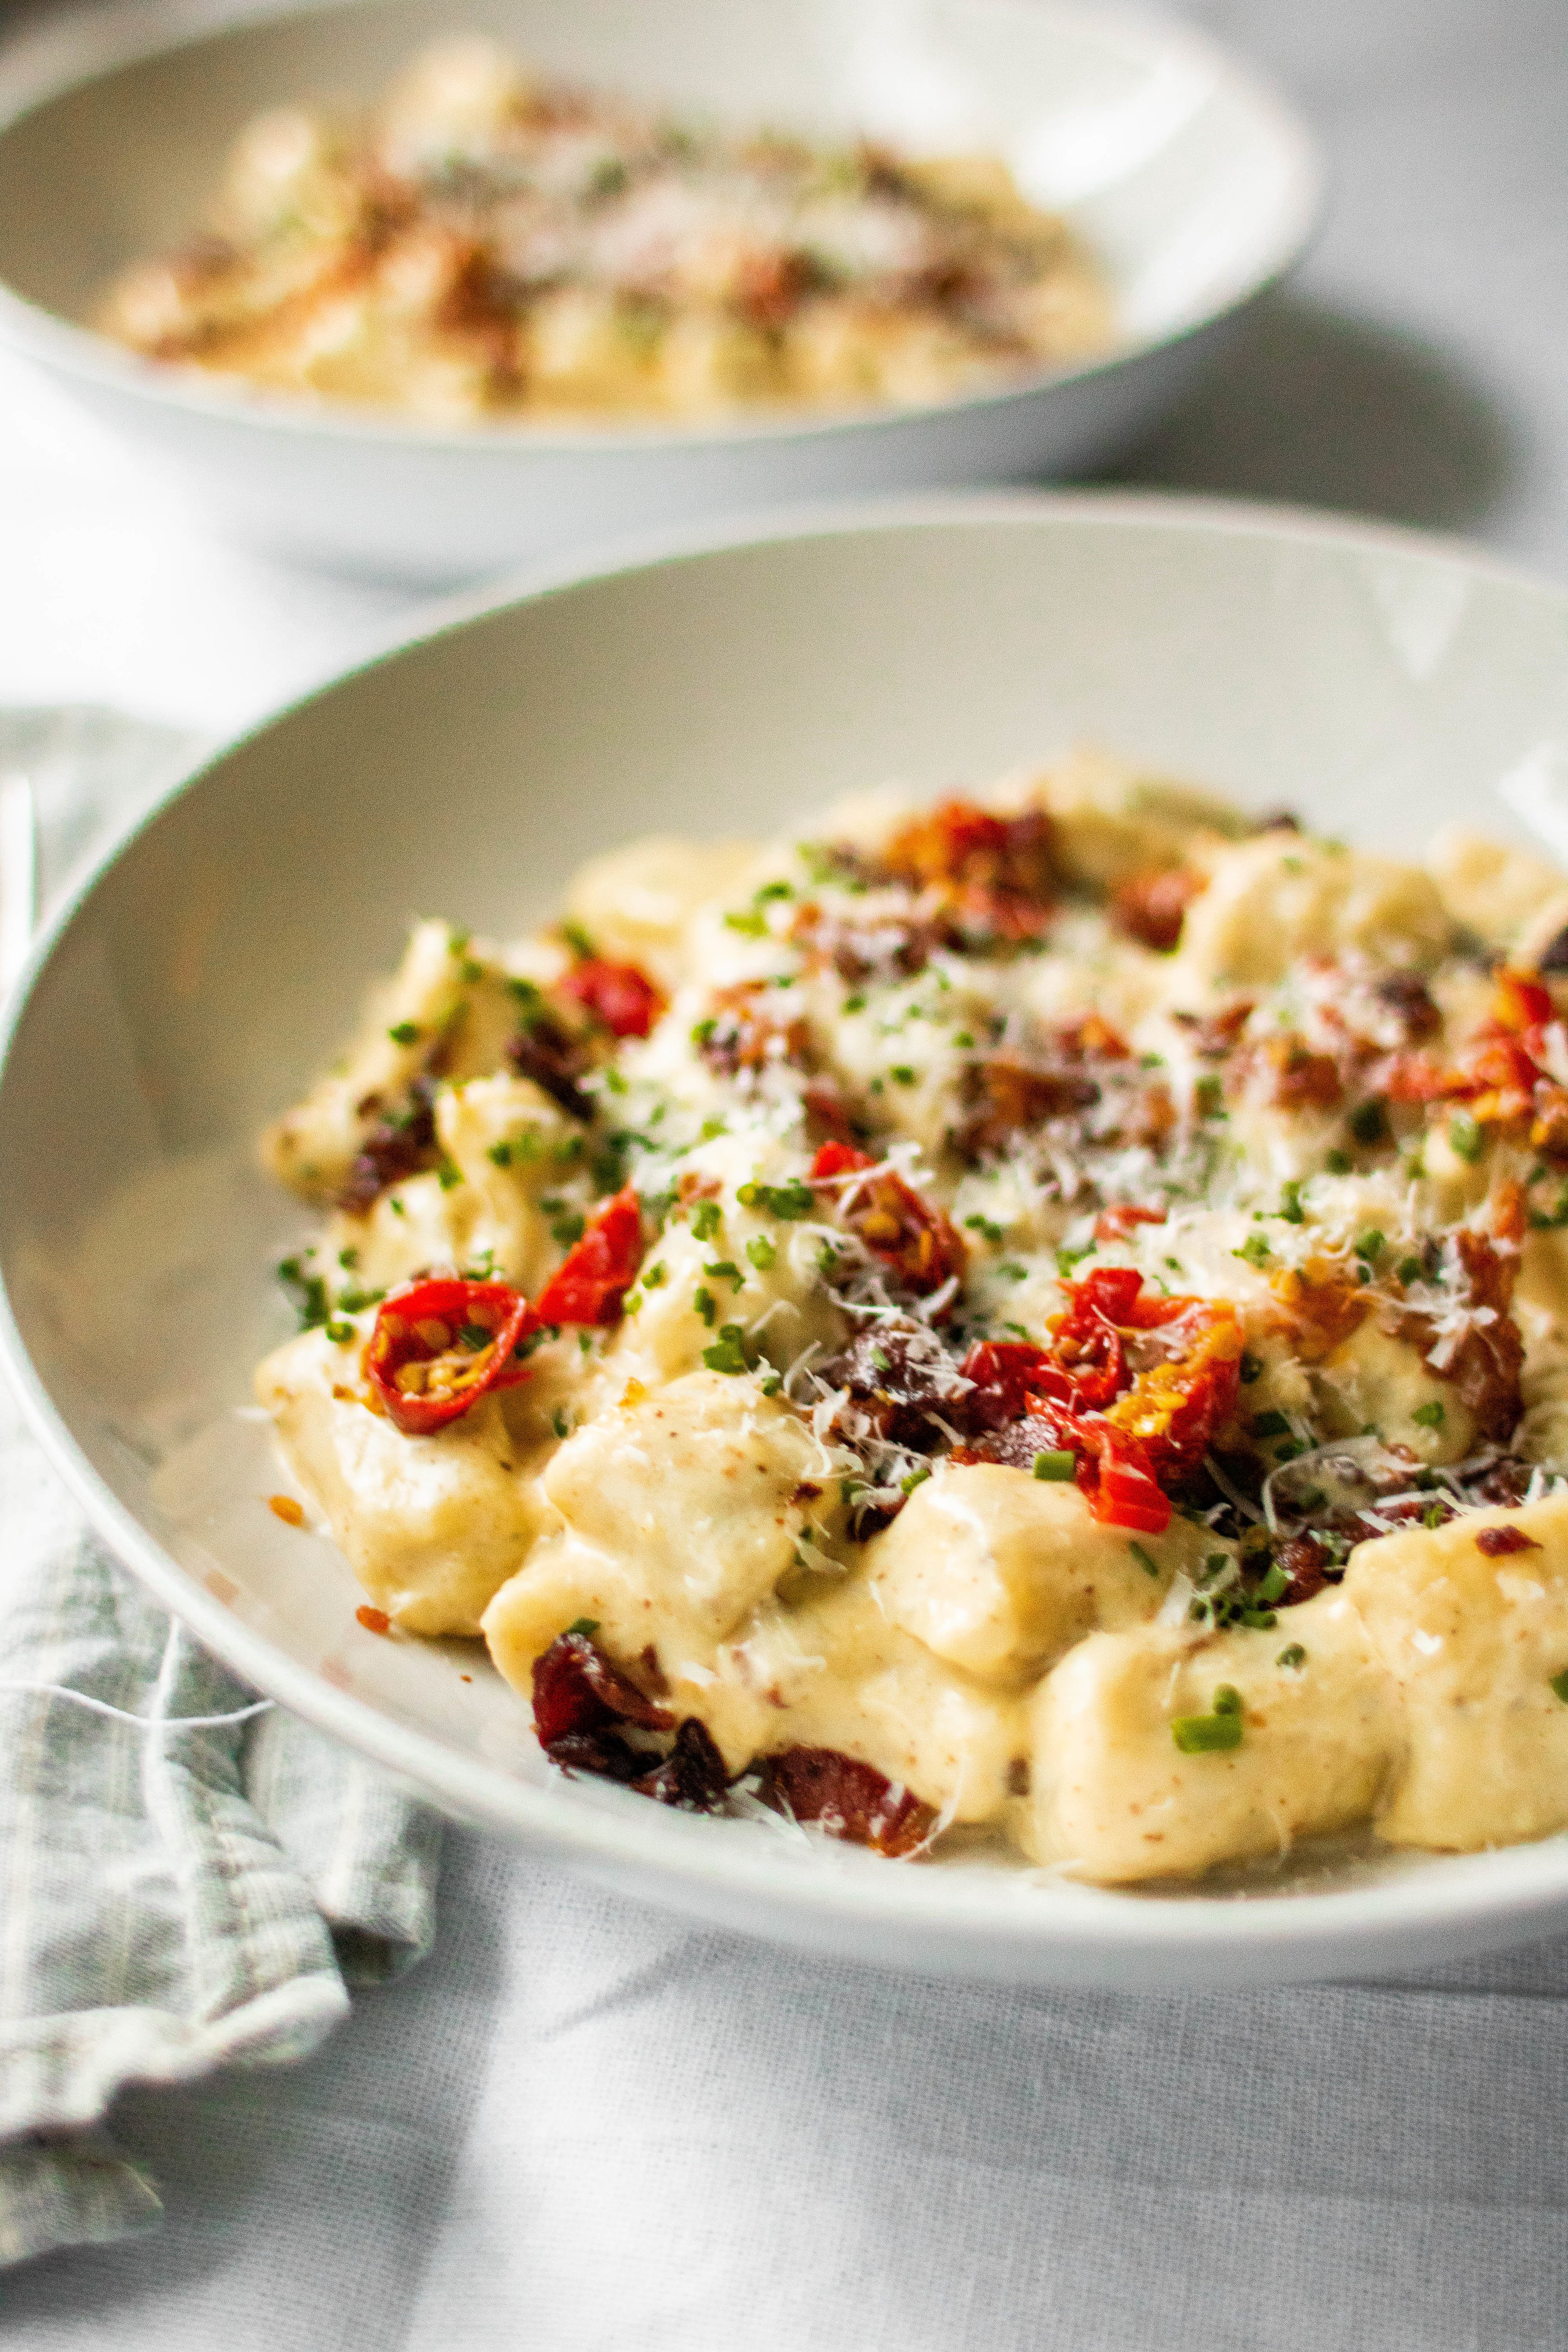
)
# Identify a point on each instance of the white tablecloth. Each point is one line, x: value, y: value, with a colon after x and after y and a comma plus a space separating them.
x: 584, y: 2126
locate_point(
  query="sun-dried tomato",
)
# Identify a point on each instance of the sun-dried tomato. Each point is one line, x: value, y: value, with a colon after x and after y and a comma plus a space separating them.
x: 692, y: 1775
x: 401, y: 1144
x: 914, y: 1240
x: 995, y: 876
x: 751, y: 1028
x: 438, y: 1347
x: 596, y: 1272
x: 1321, y: 1307
x: 1175, y: 1407
x: 1116, y: 1480
x: 618, y: 996
x: 1152, y: 908
x: 846, y: 1797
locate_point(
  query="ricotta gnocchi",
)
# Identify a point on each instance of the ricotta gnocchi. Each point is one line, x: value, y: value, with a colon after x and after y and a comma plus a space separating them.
x: 485, y: 244
x: 1037, y: 1317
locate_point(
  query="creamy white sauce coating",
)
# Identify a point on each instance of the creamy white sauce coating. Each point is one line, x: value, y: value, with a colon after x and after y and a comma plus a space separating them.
x: 794, y: 1564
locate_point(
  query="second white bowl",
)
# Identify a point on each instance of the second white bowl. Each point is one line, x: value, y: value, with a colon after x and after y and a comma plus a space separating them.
x: 1189, y: 179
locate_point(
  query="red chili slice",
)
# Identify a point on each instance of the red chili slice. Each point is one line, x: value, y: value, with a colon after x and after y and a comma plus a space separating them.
x: 620, y: 997
x: 439, y: 1346
x: 596, y: 1273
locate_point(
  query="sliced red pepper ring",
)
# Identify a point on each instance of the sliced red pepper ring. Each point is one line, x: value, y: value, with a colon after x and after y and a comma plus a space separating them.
x: 439, y: 1346
x: 622, y: 999
x: 594, y: 1276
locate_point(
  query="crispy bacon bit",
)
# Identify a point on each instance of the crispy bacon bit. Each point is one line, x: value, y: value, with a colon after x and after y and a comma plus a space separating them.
x: 1323, y: 1306
x: 1484, y: 1363
x: 879, y: 945
x: 580, y: 1704
x: 545, y: 1050
x: 1290, y: 1077
x: 1080, y: 1068
x: 828, y: 1113
x: 401, y: 1145
x: 750, y: 1028
x: 1496, y: 1542
x: 594, y: 1276
x: 1310, y: 1565
x: 1214, y: 1034
x: 1406, y: 996
x: 1152, y: 908
x: 900, y: 1375
x: 1549, y: 1128
x: 1554, y: 954
x: 374, y: 1620
x: 914, y: 1240
x: 618, y: 996
x: 846, y: 1797
x: 995, y: 877
x: 692, y: 1775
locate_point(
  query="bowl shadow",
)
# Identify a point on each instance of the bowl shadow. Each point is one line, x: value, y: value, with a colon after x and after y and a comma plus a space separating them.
x: 1317, y: 408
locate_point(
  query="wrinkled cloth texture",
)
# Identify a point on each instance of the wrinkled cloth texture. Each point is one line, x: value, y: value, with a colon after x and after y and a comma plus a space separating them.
x: 174, y: 1900
x: 171, y: 1900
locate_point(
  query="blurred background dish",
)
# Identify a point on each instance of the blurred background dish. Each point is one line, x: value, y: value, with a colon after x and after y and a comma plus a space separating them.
x: 1352, y: 673
x: 1189, y: 183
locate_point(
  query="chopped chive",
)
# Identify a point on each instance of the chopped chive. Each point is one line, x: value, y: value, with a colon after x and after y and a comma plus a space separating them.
x: 1057, y: 1464
x: 1149, y: 1567
x: 724, y: 1269
x: 762, y: 1252
x: 1558, y: 1683
x: 584, y: 1625
x: 727, y: 1353
x: 1370, y: 1244
x: 1429, y: 1416
x: 1465, y: 1135
x: 1205, y: 1735
x: 1290, y: 1207
x: 654, y: 1276
x: 1367, y: 1122
x: 1338, y: 1163
x: 1254, y: 1250
x: 705, y: 1219
x: 405, y: 1033
x: 1273, y: 1584
x: 705, y: 1305
x: 1271, y: 1424
x: 916, y: 1478
x: 1250, y: 1368
x: 1292, y: 1654
x: 1410, y: 1269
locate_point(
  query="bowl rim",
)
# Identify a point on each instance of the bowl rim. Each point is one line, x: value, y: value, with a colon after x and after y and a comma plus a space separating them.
x: 50, y: 65
x: 969, y: 1923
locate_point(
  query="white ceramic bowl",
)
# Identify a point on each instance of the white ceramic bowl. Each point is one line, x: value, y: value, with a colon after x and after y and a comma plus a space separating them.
x: 1378, y: 683
x: 1194, y: 183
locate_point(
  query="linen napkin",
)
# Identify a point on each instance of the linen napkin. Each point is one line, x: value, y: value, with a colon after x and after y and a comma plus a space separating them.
x: 188, y: 1880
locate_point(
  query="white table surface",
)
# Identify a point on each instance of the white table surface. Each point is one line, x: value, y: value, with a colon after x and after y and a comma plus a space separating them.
x: 585, y: 2126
